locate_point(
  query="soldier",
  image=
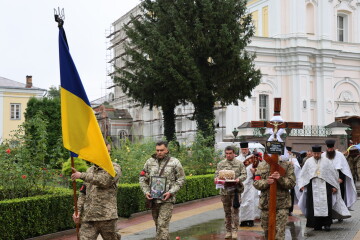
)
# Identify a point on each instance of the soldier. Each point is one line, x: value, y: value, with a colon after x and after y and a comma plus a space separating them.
x: 230, y: 192
x: 162, y: 165
x: 262, y: 182
x: 99, y: 190
x: 354, y: 162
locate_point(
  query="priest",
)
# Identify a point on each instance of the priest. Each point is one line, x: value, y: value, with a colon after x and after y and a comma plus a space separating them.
x: 249, y: 210
x: 347, y: 186
x: 294, y: 192
x: 321, y: 199
x: 244, y: 151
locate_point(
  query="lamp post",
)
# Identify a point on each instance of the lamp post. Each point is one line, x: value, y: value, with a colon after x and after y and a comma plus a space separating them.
x: 348, y: 133
x: 235, y: 133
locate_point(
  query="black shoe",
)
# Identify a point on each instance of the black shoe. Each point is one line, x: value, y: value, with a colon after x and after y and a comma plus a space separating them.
x: 243, y: 224
x: 317, y: 228
x: 250, y: 223
x: 327, y: 228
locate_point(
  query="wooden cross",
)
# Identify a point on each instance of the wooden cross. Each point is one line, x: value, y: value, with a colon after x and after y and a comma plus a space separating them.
x: 276, y: 125
x: 273, y: 162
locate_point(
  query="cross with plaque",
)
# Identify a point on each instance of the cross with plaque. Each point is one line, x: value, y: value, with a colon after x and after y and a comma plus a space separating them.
x: 275, y: 148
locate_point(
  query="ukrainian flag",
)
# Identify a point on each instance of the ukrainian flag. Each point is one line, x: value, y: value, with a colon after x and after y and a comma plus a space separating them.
x: 80, y: 129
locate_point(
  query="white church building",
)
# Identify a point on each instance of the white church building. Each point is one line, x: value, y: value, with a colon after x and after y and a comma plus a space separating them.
x: 309, y: 54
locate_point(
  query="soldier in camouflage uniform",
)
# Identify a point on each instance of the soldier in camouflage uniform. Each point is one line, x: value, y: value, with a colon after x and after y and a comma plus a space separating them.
x: 97, y: 203
x: 354, y: 162
x: 230, y: 190
x: 175, y: 179
x: 283, y: 200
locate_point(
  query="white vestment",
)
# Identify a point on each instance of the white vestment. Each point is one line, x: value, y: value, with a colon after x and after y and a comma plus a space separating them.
x: 249, y: 209
x: 340, y: 163
x: 297, y: 170
x: 321, y: 171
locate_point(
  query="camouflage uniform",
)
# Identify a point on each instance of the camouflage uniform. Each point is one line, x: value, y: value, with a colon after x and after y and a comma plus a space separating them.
x: 228, y: 193
x: 283, y: 199
x: 354, y: 164
x: 175, y: 179
x: 97, y: 204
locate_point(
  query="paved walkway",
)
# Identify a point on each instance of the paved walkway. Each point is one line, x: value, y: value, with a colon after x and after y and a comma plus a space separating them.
x: 200, y: 220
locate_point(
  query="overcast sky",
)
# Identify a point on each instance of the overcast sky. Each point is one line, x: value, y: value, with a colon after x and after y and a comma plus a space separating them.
x: 29, y: 40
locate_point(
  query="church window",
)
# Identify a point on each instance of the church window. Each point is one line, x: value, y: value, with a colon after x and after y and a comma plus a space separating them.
x: 342, y: 27
x: 263, y: 106
x: 122, y: 135
x: 15, y: 111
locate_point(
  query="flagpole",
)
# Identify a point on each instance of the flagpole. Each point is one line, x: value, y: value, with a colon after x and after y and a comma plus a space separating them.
x: 59, y: 18
x: 75, y: 197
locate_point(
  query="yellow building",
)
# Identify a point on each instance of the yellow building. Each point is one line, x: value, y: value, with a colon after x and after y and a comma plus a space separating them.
x: 13, y: 101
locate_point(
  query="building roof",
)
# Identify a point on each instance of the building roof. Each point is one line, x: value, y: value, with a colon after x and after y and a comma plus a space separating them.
x: 119, y: 114
x: 245, y: 125
x: 337, y: 124
x: 8, y: 83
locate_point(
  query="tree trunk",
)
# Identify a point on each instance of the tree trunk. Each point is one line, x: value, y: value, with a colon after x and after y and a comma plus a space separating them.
x: 205, y: 118
x: 169, y: 122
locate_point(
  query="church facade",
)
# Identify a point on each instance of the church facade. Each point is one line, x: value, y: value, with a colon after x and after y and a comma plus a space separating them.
x: 309, y: 54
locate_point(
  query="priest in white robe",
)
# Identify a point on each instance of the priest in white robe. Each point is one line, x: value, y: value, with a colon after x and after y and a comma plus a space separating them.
x: 249, y: 210
x: 321, y: 199
x: 347, y: 186
x: 244, y: 151
x: 295, y: 192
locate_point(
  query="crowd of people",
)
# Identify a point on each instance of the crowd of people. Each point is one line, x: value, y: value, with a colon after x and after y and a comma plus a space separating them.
x: 322, y: 184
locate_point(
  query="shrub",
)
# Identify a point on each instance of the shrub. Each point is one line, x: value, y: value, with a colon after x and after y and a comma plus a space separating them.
x: 196, y: 158
x: 79, y: 164
x: 34, y: 216
x: 38, y: 215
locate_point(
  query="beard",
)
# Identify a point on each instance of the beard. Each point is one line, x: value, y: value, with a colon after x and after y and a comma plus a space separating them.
x: 317, y: 157
x: 330, y: 154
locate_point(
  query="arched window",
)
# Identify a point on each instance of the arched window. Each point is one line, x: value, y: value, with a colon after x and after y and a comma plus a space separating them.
x: 122, y: 135
x: 263, y: 107
x: 179, y: 120
x: 342, y: 27
x: 310, y: 19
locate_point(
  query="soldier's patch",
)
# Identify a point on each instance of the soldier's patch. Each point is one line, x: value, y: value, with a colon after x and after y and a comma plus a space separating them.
x: 257, y: 177
x: 83, y: 189
x: 142, y: 173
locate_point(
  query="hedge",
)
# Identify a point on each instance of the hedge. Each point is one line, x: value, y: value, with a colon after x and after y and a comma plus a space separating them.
x: 23, y: 218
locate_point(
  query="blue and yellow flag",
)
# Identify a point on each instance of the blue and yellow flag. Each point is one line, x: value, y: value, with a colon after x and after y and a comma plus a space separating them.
x: 80, y: 129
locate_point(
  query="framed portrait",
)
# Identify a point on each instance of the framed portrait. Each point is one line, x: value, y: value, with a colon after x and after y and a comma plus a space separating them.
x: 157, y: 186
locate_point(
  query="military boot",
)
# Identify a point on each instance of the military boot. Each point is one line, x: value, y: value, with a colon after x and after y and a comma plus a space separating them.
x: 228, y: 235
x: 234, y: 235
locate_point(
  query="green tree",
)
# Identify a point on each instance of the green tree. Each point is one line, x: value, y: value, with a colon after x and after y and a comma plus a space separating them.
x: 193, y: 51
x: 50, y: 113
x: 53, y: 92
x: 150, y: 78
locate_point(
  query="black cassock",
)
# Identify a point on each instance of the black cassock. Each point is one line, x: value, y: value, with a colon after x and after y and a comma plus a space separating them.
x: 318, y: 222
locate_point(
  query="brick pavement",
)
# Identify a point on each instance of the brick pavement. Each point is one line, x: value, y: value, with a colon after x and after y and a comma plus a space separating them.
x: 204, y: 220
